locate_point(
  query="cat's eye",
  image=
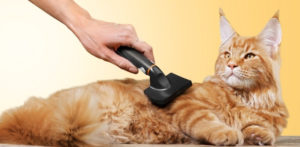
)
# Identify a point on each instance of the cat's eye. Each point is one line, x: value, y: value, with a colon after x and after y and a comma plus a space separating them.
x: 249, y: 56
x: 227, y: 55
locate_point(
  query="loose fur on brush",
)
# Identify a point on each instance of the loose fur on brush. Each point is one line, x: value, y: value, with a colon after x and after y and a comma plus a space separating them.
x: 240, y: 104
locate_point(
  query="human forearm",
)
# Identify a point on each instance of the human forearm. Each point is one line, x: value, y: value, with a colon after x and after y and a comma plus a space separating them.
x: 66, y: 11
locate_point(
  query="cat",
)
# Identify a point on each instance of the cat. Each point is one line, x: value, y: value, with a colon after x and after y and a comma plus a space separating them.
x: 240, y: 104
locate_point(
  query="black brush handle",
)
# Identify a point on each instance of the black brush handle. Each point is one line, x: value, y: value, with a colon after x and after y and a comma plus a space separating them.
x: 135, y: 57
x: 158, y: 79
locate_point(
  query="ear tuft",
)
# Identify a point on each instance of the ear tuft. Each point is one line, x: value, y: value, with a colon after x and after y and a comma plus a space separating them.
x: 221, y: 12
x: 271, y: 35
x: 276, y: 15
x: 226, y: 30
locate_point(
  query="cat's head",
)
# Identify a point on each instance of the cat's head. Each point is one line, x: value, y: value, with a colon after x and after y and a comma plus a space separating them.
x: 249, y: 62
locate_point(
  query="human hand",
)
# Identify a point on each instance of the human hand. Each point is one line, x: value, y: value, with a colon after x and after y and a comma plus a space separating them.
x: 99, y: 38
x: 102, y: 39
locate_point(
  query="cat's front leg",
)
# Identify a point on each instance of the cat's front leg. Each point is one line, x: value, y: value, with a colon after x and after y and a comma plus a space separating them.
x: 217, y: 133
x: 258, y: 135
x: 205, y: 126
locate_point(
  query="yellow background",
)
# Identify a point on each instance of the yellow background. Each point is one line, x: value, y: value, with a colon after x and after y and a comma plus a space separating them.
x: 39, y: 55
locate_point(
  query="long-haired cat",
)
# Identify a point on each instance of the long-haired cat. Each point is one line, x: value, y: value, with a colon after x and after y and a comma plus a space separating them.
x: 240, y: 104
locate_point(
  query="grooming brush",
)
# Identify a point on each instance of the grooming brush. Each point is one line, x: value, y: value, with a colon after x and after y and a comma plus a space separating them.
x: 163, y: 89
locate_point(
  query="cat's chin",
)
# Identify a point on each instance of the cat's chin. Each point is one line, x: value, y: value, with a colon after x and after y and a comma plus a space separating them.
x: 238, y: 83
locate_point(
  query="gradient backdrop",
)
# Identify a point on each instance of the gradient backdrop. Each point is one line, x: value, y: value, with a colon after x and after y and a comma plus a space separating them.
x: 39, y: 55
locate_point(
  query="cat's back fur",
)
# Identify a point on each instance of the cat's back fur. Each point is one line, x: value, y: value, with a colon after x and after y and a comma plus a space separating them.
x: 99, y: 113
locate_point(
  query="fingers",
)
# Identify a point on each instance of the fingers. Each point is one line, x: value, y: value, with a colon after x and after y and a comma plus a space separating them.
x: 129, y: 38
x: 140, y: 46
x: 110, y: 56
x: 144, y: 48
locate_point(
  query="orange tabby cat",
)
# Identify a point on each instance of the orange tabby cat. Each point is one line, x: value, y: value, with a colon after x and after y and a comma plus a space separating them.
x: 240, y: 104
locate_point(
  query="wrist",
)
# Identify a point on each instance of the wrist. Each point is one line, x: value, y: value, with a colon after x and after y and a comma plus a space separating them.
x: 75, y: 17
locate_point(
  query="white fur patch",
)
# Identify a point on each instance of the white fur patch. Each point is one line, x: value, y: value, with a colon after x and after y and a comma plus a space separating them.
x: 261, y: 100
x: 235, y: 79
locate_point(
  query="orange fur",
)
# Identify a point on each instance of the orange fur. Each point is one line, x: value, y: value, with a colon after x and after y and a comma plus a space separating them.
x: 223, y: 110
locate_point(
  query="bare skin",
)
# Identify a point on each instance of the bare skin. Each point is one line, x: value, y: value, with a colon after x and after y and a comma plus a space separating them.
x: 99, y: 38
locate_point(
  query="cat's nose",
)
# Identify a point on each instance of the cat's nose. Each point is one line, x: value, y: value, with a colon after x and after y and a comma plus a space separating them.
x: 232, y: 65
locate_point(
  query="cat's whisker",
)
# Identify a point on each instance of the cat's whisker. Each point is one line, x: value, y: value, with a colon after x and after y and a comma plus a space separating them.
x: 246, y: 74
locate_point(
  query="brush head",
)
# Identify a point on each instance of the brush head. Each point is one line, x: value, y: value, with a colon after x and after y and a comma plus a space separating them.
x: 163, y: 96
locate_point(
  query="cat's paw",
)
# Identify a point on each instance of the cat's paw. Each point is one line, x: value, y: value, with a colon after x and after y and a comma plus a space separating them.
x: 226, y: 136
x: 255, y: 135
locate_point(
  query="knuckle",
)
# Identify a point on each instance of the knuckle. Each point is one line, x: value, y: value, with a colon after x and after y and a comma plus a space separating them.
x: 103, y: 55
x: 129, y: 27
x: 122, y: 64
x: 142, y: 42
x: 126, y: 34
x: 150, y: 49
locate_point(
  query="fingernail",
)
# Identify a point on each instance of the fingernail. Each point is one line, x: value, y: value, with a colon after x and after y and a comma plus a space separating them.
x: 133, y: 69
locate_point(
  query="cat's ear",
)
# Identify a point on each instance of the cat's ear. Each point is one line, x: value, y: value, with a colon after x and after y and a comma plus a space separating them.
x: 271, y: 35
x: 226, y: 30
